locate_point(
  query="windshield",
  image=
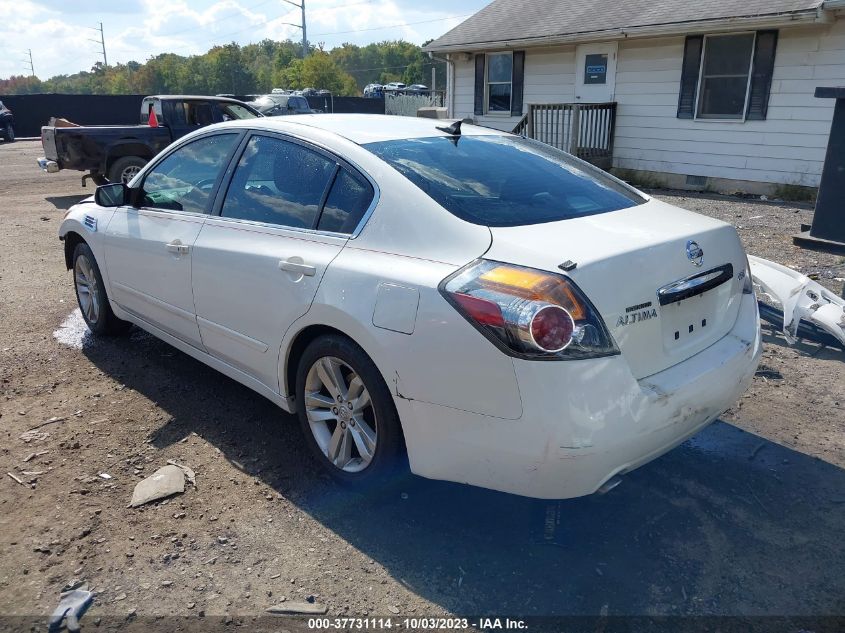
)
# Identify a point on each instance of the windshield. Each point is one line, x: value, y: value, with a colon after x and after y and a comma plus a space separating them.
x: 505, y: 180
x: 233, y: 111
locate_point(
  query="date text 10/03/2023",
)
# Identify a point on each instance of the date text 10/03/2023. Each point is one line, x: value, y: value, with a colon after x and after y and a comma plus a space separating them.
x: 415, y: 624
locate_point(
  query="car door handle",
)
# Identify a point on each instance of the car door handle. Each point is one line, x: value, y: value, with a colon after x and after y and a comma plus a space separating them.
x: 297, y: 267
x: 178, y: 248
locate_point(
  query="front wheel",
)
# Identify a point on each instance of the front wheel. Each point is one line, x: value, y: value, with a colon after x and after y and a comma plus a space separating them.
x: 91, y: 294
x: 9, y: 133
x: 347, y: 413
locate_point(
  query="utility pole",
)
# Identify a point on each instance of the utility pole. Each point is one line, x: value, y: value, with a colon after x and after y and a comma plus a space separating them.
x: 101, y: 42
x: 300, y: 5
x: 31, y: 66
x: 304, y: 32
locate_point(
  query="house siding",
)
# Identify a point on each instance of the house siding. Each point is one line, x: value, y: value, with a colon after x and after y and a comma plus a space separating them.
x: 549, y: 78
x: 788, y: 147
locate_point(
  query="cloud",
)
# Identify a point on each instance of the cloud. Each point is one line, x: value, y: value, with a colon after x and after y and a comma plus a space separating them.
x: 93, y: 6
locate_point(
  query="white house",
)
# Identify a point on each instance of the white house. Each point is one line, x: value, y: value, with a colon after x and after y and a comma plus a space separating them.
x: 713, y: 94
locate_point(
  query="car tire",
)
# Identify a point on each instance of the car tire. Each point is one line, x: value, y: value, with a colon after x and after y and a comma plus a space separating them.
x: 357, y: 445
x: 9, y: 133
x: 91, y: 295
x: 125, y: 168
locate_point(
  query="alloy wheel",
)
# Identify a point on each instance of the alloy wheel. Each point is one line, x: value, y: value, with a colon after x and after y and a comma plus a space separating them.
x: 86, y: 289
x: 129, y: 173
x: 340, y: 414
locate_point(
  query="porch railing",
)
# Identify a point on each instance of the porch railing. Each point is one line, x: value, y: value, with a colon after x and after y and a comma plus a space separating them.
x: 583, y: 129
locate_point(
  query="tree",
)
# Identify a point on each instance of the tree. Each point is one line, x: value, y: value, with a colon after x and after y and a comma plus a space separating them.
x: 253, y: 68
x: 319, y: 70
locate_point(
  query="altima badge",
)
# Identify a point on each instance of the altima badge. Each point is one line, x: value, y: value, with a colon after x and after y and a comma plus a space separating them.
x: 695, y: 253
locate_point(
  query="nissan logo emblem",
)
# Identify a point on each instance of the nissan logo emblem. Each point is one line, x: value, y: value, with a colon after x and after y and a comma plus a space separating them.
x: 695, y: 253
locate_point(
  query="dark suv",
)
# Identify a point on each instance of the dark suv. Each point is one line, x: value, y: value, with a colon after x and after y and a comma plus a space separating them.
x: 6, y: 121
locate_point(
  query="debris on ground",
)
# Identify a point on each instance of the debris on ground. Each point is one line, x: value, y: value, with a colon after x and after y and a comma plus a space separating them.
x: 34, y: 436
x: 52, y: 420
x: 190, y: 475
x: 165, y: 482
x: 16, y: 479
x: 72, y: 606
x: 298, y: 608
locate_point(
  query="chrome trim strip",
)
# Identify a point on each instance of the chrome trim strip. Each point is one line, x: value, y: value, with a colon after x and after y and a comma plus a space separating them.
x: 694, y: 284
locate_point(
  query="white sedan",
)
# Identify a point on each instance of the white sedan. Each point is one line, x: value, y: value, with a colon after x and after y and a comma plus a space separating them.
x: 488, y: 308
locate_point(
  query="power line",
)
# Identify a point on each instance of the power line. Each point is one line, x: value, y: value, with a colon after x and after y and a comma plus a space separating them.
x: 377, y: 28
x: 394, y: 26
x: 364, y: 70
x: 227, y: 17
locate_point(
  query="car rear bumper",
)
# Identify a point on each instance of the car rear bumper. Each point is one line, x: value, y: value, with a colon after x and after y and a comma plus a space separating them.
x: 583, y: 422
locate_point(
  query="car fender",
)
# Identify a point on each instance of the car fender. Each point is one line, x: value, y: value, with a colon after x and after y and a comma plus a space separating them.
x: 390, y: 305
x: 326, y: 315
x: 89, y: 221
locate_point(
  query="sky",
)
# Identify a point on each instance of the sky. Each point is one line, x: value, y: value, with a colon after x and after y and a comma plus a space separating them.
x: 59, y: 32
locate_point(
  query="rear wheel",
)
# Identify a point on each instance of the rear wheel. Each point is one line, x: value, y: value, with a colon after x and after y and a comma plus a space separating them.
x: 347, y: 413
x: 126, y: 168
x: 9, y: 133
x: 91, y: 294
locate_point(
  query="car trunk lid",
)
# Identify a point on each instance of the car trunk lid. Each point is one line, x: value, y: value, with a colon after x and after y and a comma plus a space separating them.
x: 639, y: 267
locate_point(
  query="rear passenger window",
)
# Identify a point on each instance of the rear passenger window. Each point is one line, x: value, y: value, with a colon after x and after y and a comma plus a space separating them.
x: 278, y: 182
x: 348, y: 200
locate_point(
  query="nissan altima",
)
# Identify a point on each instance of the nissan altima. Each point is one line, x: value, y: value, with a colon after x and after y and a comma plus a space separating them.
x: 479, y: 306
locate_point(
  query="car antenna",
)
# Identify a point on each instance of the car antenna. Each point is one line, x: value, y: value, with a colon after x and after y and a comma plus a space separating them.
x: 452, y: 130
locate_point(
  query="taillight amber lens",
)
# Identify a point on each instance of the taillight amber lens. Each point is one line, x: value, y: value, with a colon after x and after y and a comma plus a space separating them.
x: 528, y: 313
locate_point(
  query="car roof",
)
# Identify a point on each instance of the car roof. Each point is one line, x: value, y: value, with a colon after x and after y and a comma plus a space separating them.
x: 363, y: 128
x: 195, y: 98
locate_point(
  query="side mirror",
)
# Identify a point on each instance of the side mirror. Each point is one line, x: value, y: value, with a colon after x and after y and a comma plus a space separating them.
x: 112, y: 195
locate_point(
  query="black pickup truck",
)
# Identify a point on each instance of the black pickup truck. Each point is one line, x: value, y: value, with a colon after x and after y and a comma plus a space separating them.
x: 115, y: 153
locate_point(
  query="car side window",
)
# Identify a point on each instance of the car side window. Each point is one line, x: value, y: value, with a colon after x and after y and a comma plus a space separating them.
x: 202, y: 113
x: 185, y: 179
x: 278, y: 182
x: 348, y: 201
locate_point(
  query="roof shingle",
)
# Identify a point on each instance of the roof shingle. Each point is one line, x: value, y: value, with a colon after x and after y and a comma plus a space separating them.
x: 504, y: 20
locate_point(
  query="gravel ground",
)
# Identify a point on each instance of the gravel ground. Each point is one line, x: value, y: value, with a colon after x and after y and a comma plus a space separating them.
x: 744, y: 519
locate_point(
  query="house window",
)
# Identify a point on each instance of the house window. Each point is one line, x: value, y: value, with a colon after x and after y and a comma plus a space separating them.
x: 725, y: 76
x: 499, y: 82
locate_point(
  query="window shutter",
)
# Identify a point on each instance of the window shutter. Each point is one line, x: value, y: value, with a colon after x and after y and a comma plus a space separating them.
x: 689, y: 76
x: 479, y: 83
x: 517, y: 82
x: 761, y: 74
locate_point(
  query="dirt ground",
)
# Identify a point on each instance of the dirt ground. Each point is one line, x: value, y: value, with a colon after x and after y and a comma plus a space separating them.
x: 745, y: 519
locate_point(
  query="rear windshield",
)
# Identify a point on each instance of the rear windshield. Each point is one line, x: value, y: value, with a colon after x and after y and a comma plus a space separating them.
x: 504, y: 180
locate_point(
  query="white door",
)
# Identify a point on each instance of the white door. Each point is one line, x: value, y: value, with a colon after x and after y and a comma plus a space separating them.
x: 595, y: 72
x: 148, y: 248
x: 286, y: 215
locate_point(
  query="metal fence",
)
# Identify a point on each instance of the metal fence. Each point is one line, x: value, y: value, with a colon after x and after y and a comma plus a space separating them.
x: 407, y: 104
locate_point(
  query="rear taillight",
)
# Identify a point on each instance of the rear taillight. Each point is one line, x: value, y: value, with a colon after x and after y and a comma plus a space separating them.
x: 528, y: 313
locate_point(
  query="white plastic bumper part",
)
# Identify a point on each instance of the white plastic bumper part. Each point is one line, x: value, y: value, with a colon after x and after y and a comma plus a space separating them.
x: 584, y: 421
x: 50, y: 166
